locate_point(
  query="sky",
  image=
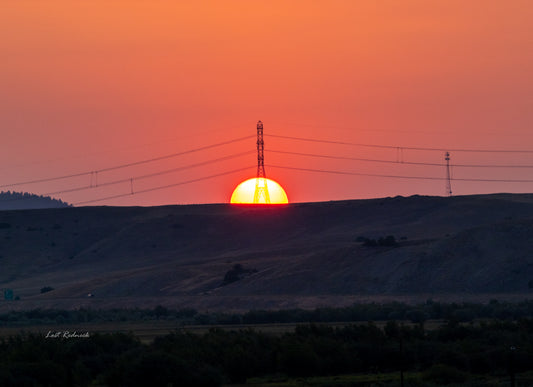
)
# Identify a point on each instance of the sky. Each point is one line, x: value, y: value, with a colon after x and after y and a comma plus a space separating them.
x: 89, y: 85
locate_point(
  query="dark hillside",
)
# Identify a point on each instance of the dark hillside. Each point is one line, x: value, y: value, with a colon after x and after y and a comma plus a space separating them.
x: 305, y: 255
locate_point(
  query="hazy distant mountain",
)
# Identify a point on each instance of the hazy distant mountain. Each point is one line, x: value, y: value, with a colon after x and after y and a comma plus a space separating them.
x: 26, y: 201
x: 243, y: 257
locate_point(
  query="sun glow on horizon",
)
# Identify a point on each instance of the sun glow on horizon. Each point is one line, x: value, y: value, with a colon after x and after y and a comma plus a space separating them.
x: 244, y: 193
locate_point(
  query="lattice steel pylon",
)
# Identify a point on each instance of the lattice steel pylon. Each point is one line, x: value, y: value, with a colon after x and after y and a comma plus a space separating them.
x: 448, y: 175
x: 261, y: 188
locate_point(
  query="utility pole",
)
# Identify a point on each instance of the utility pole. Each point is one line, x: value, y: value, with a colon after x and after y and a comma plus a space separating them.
x: 448, y: 175
x: 261, y: 187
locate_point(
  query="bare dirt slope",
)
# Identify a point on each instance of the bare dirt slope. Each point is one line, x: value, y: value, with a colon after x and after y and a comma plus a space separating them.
x: 473, y: 247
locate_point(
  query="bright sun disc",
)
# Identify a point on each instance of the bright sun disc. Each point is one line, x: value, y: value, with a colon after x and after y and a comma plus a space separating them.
x: 245, y: 192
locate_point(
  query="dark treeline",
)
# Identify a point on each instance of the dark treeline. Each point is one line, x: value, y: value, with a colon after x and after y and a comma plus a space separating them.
x: 430, y: 310
x: 454, y: 353
x: 25, y: 201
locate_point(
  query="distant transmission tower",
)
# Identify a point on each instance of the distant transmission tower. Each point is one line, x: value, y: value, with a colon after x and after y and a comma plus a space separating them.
x: 261, y: 188
x: 448, y: 176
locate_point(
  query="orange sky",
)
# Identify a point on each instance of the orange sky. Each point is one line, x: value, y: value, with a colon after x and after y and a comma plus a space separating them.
x: 93, y: 84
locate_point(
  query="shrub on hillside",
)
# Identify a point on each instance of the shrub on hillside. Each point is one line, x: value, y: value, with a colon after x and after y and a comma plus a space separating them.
x: 388, y: 241
x: 236, y: 273
x: 46, y: 289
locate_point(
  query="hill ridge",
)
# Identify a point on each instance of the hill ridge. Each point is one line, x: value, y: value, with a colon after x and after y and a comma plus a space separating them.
x: 475, y: 246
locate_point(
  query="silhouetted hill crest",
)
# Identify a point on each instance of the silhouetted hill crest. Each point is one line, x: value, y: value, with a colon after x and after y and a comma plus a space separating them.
x: 26, y: 201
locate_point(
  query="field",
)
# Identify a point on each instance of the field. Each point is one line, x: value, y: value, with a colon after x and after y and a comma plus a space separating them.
x: 147, y: 331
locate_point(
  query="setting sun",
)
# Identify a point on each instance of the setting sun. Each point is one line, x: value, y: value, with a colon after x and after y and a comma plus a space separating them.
x: 245, y: 193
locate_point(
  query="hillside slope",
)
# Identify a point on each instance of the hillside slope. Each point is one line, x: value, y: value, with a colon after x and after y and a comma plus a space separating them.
x: 297, y: 255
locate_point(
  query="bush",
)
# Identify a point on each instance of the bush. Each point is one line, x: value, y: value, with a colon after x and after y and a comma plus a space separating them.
x: 236, y: 273
x: 388, y: 241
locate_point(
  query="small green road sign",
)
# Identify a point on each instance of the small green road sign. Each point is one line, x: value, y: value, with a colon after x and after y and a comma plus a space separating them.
x: 8, y: 294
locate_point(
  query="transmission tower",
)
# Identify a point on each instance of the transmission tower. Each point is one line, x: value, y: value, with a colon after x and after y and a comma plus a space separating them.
x: 448, y: 175
x: 261, y: 188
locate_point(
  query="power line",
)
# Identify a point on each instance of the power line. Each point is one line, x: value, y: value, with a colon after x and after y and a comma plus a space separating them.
x: 290, y: 168
x: 398, y: 162
x: 35, y: 181
x: 174, y: 154
x: 47, y: 179
x: 374, y: 130
x: 399, y: 176
x: 164, y: 186
x: 352, y: 129
x: 168, y: 156
x: 128, y: 164
x: 129, y: 179
x: 109, y: 150
x: 399, y: 147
